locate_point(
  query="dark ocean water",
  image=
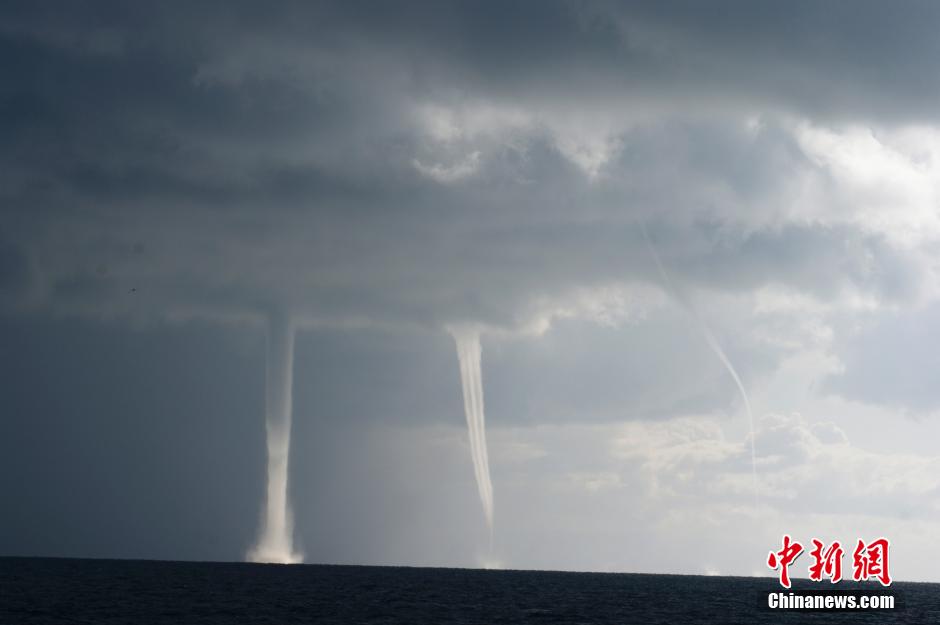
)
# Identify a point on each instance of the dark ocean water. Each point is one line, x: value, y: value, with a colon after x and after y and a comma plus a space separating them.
x: 38, y: 590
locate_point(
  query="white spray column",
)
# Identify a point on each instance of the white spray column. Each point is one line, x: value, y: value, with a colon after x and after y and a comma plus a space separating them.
x: 469, y: 354
x: 275, y: 541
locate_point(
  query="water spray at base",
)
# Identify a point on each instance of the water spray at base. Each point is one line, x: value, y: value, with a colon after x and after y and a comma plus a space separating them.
x: 713, y: 344
x: 275, y: 541
x: 469, y: 353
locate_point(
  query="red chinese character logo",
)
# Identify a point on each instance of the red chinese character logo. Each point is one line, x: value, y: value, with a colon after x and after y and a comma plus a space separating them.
x: 828, y: 562
x: 871, y: 560
x: 784, y: 558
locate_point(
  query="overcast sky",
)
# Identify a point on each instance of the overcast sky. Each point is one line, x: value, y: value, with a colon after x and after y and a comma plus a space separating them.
x: 171, y: 173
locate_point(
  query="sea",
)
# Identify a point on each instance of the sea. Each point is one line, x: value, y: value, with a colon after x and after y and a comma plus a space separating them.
x: 139, y: 592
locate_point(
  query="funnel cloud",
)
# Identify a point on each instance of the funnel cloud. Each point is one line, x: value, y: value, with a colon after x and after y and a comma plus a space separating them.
x: 469, y: 354
x: 275, y: 542
x: 713, y: 344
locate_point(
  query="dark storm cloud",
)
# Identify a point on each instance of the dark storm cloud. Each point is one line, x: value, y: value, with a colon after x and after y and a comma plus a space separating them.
x: 266, y: 155
x: 438, y: 162
x: 825, y: 59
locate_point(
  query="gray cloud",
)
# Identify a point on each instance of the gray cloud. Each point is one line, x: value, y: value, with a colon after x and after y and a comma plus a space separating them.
x: 226, y: 168
x: 891, y: 360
